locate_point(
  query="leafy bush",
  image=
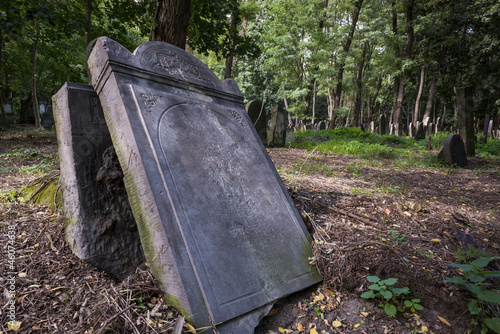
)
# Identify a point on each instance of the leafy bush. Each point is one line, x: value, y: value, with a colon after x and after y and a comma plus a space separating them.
x: 477, y: 280
x: 390, y: 298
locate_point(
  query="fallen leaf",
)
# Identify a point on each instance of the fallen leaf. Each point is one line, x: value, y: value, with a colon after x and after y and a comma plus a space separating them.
x: 443, y: 320
x: 336, y: 323
x: 364, y: 314
x: 313, y: 331
x: 387, y: 211
x: 14, y: 325
x: 436, y: 240
x: 318, y: 298
x: 191, y: 328
x: 425, y: 329
x: 357, y: 325
x: 300, y: 328
x: 22, y: 275
x: 281, y: 330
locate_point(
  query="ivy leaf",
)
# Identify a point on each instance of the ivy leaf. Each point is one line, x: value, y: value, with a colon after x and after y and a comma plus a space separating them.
x: 493, y: 324
x: 390, y: 309
x: 368, y: 295
x: 372, y: 279
x: 489, y: 296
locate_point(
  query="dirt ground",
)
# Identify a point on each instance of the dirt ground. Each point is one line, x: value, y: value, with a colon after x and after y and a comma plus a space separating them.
x: 366, y: 217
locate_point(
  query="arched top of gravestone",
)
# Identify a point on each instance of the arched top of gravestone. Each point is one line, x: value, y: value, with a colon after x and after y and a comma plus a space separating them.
x: 162, y: 59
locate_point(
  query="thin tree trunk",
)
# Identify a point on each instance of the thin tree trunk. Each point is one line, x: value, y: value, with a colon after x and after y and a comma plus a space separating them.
x: 347, y: 45
x: 314, y: 103
x: 432, y: 89
x: 172, y: 19
x: 409, y: 45
x: 2, y: 109
x: 290, y: 122
x: 230, y: 56
x: 356, y: 121
x: 416, y: 114
x: 33, y: 74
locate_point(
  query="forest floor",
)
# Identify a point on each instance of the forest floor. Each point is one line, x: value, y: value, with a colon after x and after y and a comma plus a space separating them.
x: 367, y: 218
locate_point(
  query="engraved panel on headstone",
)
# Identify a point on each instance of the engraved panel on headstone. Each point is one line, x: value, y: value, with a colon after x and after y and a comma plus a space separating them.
x: 219, y: 230
x: 100, y: 228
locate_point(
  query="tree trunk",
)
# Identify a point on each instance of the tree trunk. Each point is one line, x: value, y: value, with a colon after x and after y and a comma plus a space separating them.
x: 416, y: 114
x: 230, y: 56
x: 357, y: 119
x: 88, y: 23
x: 409, y: 45
x: 2, y: 109
x: 314, y: 103
x: 347, y: 45
x: 290, y: 122
x: 172, y: 19
x: 432, y: 89
x: 33, y: 75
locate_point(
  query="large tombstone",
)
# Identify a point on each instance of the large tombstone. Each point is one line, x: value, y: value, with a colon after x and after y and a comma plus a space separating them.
x: 453, y: 151
x: 219, y: 230
x: 100, y: 227
x: 382, y: 125
x: 257, y: 113
x: 277, y: 131
x: 465, y: 118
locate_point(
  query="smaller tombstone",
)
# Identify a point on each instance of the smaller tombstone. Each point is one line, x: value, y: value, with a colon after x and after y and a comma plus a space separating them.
x: 381, y: 125
x: 100, y: 228
x: 420, y: 132
x: 438, y: 125
x: 372, y: 126
x: 257, y: 114
x: 47, y: 118
x: 429, y: 129
x: 490, y: 126
x: 426, y: 121
x: 411, y: 130
x: 484, y: 137
x: 465, y: 118
x: 309, y: 126
x: 8, y: 109
x: 322, y: 125
x: 278, y: 128
x: 453, y: 151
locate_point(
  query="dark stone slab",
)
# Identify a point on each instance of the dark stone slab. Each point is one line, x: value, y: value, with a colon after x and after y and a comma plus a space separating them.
x: 257, y: 113
x: 382, y: 125
x: 100, y: 228
x: 277, y: 132
x: 453, y: 151
x: 219, y: 230
x: 420, y: 131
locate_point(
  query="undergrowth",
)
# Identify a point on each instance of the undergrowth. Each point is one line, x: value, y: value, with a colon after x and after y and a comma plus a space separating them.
x: 368, y: 145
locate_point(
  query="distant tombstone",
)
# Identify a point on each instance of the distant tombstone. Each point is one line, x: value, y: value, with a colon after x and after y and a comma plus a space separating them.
x: 277, y: 131
x: 420, y: 131
x: 426, y: 121
x: 372, y: 126
x: 490, y: 126
x: 47, y: 118
x: 465, y: 118
x: 207, y: 199
x: 381, y: 125
x: 8, y: 109
x: 438, y: 125
x: 429, y: 129
x: 453, y: 151
x: 411, y: 130
x: 257, y: 113
x: 100, y: 228
x: 322, y: 125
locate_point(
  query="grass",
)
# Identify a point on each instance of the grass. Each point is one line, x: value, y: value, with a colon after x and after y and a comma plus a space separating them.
x: 404, y: 151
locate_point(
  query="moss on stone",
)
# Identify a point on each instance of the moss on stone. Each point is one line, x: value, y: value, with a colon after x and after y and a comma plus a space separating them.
x: 45, y: 191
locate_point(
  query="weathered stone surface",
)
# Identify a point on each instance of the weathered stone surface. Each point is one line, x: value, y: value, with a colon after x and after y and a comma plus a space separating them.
x: 100, y: 227
x: 219, y: 230
x: 381, y: 125
x: 257, y: 113
x: 420, y: 131
x: 277, y: 132
x: 453, y: 151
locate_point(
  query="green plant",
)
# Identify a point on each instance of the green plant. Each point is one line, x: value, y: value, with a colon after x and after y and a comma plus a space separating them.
x: 390, y: 298
x: 477, y: 280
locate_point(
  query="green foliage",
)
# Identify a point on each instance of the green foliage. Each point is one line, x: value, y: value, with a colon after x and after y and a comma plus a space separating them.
x: 490, y: 148
x: 478, y: 281
x: 390, y: 298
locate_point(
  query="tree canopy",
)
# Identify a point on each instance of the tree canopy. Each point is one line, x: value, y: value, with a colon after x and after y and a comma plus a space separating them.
x: 323, y: 59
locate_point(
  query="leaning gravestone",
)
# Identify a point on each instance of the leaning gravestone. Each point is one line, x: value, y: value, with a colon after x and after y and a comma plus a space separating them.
x: 382, y: 125
x: 453, y: 151
x: 420, y: 131
x: 100, y: 228
x: 258, y: 117
x: 277, y: 131
x: 219, y: 230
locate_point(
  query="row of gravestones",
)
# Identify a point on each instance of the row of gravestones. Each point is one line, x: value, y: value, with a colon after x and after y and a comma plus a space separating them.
x: 160, y: 163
